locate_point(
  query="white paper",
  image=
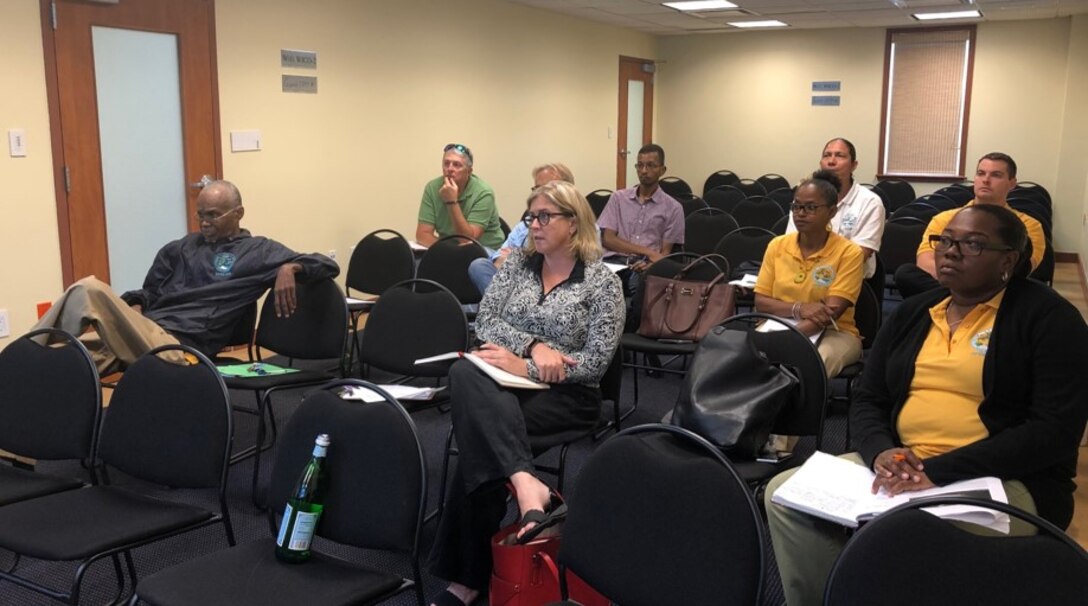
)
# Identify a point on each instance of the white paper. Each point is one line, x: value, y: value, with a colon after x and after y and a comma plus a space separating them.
x: 615, y: 267
x: 748, y: 281
x: 416, y: 245
x: 499, y: 375
x: 841, y: 491
x: 780, y: 323
x: 400, y: 392
x: 354, y: 301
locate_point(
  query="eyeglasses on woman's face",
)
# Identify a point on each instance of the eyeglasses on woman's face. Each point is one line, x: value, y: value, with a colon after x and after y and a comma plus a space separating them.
x: 805, y: 209
x: 544, y: 217
x: 969, y: 247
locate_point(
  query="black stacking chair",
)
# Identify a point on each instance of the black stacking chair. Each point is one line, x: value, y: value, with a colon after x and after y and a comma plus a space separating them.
x: 1045, y: 271
x: 899, y: 244
x: 959, y: 192
x: 757, y: 211
x: 780, y: 226
x: 919, y: 210
x: 704, y: 228
x: 674, y: 186
x: 1035, y: 210
x: 690, y: 202
x: 168, y: 424
x: 750, y: 188
x: 772, y: 181
x: 744, y: 244
x: 447, y: 261
x: 414, y: 319
x: 724, y: 198
x: 868, y: 316
x: 898, y: 193
x: 722, y: 177
x: 316, y: 331
x: 598, y: 199
x: 505, y: 227
x: 381, y: 259
x: 50, y: 404
x: 961, y: 567
x: 939, y: 201
x: 1032, y: 190
x: 805, y: 416
x: 783, y: 197
x: 694, y: 538
x: 375, y: 496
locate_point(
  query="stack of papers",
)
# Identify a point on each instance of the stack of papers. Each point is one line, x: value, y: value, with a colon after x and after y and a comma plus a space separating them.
x: 841, y: 491
x: 498, y: 375
x: 400, y: 392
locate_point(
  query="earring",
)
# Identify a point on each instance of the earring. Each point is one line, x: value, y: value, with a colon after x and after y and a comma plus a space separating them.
x: 1004, y: 276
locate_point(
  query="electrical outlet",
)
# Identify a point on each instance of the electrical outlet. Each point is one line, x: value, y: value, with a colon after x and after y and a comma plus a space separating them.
x: 5, y: 323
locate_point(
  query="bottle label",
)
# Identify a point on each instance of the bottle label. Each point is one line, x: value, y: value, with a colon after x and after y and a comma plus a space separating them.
x: 303, y: 532
x: 284, y: 524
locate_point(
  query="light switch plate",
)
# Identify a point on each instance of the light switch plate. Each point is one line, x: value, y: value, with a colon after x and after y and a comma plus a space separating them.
x: 245, y: 140
x: 17, y: 142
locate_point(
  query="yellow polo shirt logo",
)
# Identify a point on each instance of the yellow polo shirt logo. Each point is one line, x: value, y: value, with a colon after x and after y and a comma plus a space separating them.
x: 823, y: 275
x: 981, y: 341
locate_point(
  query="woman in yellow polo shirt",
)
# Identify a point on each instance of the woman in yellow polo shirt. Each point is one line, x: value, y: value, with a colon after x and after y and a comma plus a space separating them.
x: 984, y: 377
x: 814, y: 276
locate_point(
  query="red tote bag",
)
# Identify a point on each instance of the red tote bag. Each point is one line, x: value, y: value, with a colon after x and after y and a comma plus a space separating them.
x: 527, y: 575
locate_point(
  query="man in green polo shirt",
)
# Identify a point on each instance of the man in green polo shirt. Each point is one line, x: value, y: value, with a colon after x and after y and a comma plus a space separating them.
x: 458, y: 202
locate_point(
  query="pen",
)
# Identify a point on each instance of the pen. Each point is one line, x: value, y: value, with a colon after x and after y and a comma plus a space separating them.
x: 833, y: 324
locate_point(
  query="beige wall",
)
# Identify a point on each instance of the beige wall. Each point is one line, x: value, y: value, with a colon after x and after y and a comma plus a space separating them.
x: 1073, y: 166
x: 750, y: 93
x: 30, y: 271
x: 527, y: 88
x: 397, y: 81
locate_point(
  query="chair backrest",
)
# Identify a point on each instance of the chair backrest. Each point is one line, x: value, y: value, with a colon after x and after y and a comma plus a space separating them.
x: 376, y: 483
x: 1032, y: 190
x: 878, y: 281
x: 669, y: 265
x: 961, y: 567
x: 447, y: 261
x: 703, y: 230
x: 318, y: 328
x: 690, y: 203
x: 899, y: 193
x: 674, y: 186
x: 505, y: 228
x: 757, y: 211
x: 790, y: 347
x: 868, y: 315
x: 50, y: 397
x: 939, y: 201
x: 772, y: 181
x: 414, y: 319
x: 1044, y: 272
x: 959, y: 192
x: 899, y: 244
x: 780, y: 226
x: 751, y: 187
x: 598, y: 199
x: 169, y: 423
x: 1037, y: 211
x: 920, y: 210
x: 744, y: 244
x: 722, y: 177
x: 381, y: 259
x: 659, y: 516
x: 783, y: 197
x: 724, y: 197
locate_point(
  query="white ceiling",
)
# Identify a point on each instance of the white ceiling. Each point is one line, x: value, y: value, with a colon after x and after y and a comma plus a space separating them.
x: 652, y: 17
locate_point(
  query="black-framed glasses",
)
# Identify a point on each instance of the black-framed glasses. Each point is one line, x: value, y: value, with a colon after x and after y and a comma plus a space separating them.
x: 212, y: 216
x: 461, y: 149
x: 543, y: 216
x: 805, y: 209
x: 968, y: 248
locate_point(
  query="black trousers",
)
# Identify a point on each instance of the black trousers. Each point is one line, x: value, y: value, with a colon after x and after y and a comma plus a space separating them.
x: 497, y: 431
x: 912, y: 280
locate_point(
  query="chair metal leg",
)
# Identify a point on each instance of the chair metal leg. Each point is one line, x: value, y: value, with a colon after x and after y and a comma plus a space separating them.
x: 447, y: 453
x: 262, y: 406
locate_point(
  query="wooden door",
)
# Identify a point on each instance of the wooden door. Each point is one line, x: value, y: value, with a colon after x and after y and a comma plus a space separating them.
x: 70, y: 75
x: 636, y: 113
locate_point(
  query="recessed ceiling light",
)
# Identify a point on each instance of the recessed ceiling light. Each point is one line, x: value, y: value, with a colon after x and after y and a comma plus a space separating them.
x: 701, y: 5
x: 772, y: 23
x: 971, y: 14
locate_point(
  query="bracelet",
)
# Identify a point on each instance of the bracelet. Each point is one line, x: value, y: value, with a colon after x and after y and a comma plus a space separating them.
x: 449, y: 203
x: 796, y: 311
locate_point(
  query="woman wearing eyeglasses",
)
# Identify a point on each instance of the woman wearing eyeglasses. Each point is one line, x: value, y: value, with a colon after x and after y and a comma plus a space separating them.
x: 813, y: 276
x: 554, y: 313
x: 986, y: 376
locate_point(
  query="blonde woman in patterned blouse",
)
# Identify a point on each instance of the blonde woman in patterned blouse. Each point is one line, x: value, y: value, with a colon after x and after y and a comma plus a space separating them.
x: 553, y: 313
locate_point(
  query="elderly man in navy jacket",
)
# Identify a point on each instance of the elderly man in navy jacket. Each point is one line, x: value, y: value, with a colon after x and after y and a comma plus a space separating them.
x: 197, y: 289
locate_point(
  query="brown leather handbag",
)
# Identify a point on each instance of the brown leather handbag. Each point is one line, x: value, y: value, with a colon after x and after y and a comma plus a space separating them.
x: 684, y: 309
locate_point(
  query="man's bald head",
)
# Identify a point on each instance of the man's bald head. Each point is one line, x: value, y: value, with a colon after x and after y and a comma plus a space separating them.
x: 219, y: 211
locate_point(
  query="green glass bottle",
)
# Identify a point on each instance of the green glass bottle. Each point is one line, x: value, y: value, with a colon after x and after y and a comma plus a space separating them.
x: 303, y: 509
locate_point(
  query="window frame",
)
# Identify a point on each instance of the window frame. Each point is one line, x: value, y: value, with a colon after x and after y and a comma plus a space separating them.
x: 972, y: 31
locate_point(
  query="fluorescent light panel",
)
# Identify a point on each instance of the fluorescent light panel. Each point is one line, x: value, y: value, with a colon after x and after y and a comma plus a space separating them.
x: 772, y: 23
x: 701, y: 5
x: 971, y: 14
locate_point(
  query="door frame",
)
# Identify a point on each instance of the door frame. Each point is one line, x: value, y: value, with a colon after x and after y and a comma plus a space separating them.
x: 56, y: 130
x: 622, y: 160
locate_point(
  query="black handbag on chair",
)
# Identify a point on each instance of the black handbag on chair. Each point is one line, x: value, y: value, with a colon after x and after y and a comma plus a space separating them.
x: 732, y: 394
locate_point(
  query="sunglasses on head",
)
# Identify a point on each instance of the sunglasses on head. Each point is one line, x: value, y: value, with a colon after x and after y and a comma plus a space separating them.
x: 461, y: 149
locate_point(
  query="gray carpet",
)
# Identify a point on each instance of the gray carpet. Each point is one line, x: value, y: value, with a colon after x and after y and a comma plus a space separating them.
x: 657, y: 397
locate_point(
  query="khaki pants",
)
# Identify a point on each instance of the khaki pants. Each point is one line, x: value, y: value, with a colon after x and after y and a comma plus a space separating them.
x: 806, y: 547
x: 121, y: 334
x: 838, y: 350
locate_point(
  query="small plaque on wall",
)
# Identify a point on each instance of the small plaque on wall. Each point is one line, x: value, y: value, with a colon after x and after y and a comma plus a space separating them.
x: 300, y: 84
x: 826, y: 86
x: 832, y: 100
x: 298, y: 59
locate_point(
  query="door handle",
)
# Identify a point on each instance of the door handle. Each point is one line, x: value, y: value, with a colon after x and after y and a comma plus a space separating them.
x: 625, y: 152
x: 202, y: 183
